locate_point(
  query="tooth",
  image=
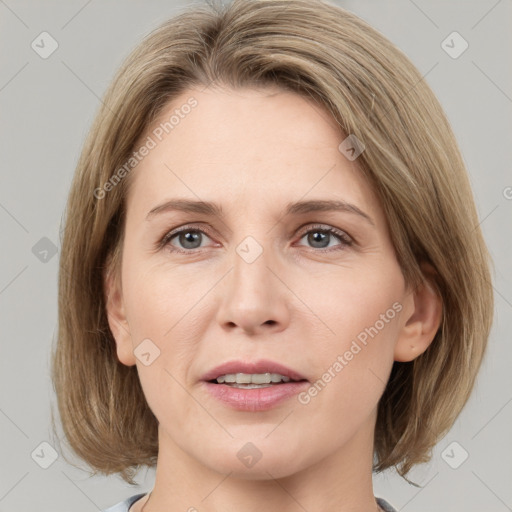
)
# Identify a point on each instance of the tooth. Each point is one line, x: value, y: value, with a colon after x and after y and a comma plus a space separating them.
x: 254, y: 378
x: 243, y: 378
x: 261, y: 378
x: 250, y: 386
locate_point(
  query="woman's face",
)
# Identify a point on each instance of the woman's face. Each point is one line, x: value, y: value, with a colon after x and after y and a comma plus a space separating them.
x: 261, y: 274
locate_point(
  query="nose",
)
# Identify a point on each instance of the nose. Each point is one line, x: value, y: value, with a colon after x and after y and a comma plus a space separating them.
x: 254, y: 296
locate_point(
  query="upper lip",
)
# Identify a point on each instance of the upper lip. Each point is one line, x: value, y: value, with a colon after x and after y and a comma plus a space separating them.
x: 260, y: 366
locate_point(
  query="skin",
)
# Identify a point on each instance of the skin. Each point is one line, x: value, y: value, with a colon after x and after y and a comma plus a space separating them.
x: 253, y: 151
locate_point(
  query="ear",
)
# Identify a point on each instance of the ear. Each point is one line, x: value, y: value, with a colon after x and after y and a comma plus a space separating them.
x: 116, y: 315
x: 424, y: 312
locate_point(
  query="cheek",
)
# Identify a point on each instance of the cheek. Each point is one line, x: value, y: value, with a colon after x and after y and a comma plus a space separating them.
x: 350, y: 300
x: 164, y: 308
x: 160, y: 299
x: 353, y: 361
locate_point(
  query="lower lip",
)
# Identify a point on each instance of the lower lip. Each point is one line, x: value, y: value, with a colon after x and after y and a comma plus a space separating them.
x: 260, y: 399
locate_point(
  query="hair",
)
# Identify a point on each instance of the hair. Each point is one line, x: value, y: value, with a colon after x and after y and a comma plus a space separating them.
x: 373, y: 91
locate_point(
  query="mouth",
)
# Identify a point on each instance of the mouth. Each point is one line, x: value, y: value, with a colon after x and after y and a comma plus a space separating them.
x: 253, y: 386
x: 245, y: 374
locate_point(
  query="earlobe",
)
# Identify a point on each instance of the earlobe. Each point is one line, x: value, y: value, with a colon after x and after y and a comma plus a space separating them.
x: 424, y: 320
x: 116, y: 315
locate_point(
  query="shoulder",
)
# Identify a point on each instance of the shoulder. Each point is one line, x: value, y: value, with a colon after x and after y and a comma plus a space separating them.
x: 384, y: 505
x: 123, y: 506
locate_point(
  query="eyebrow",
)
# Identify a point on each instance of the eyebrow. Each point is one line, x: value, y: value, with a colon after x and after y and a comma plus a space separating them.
x: 298, y: 208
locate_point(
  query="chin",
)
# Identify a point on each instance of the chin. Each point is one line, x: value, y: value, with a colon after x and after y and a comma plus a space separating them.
x: 260, y: 459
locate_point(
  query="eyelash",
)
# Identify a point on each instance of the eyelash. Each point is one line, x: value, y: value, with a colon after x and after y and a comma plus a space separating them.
x: 346, y: 240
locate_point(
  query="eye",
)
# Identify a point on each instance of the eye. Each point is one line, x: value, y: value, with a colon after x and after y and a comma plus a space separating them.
x: 320, y: 236
x: 189, y: 239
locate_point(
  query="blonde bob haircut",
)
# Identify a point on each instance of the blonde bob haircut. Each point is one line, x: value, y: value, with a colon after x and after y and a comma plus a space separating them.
x: 411, y: 157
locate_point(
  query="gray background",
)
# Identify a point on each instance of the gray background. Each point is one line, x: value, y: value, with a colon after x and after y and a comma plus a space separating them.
x: 47, y: 106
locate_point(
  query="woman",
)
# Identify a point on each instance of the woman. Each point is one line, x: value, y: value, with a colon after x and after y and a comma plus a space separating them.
x: 271, y: 281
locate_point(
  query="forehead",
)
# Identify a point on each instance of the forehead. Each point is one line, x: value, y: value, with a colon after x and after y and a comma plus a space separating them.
x: 243, y: 146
